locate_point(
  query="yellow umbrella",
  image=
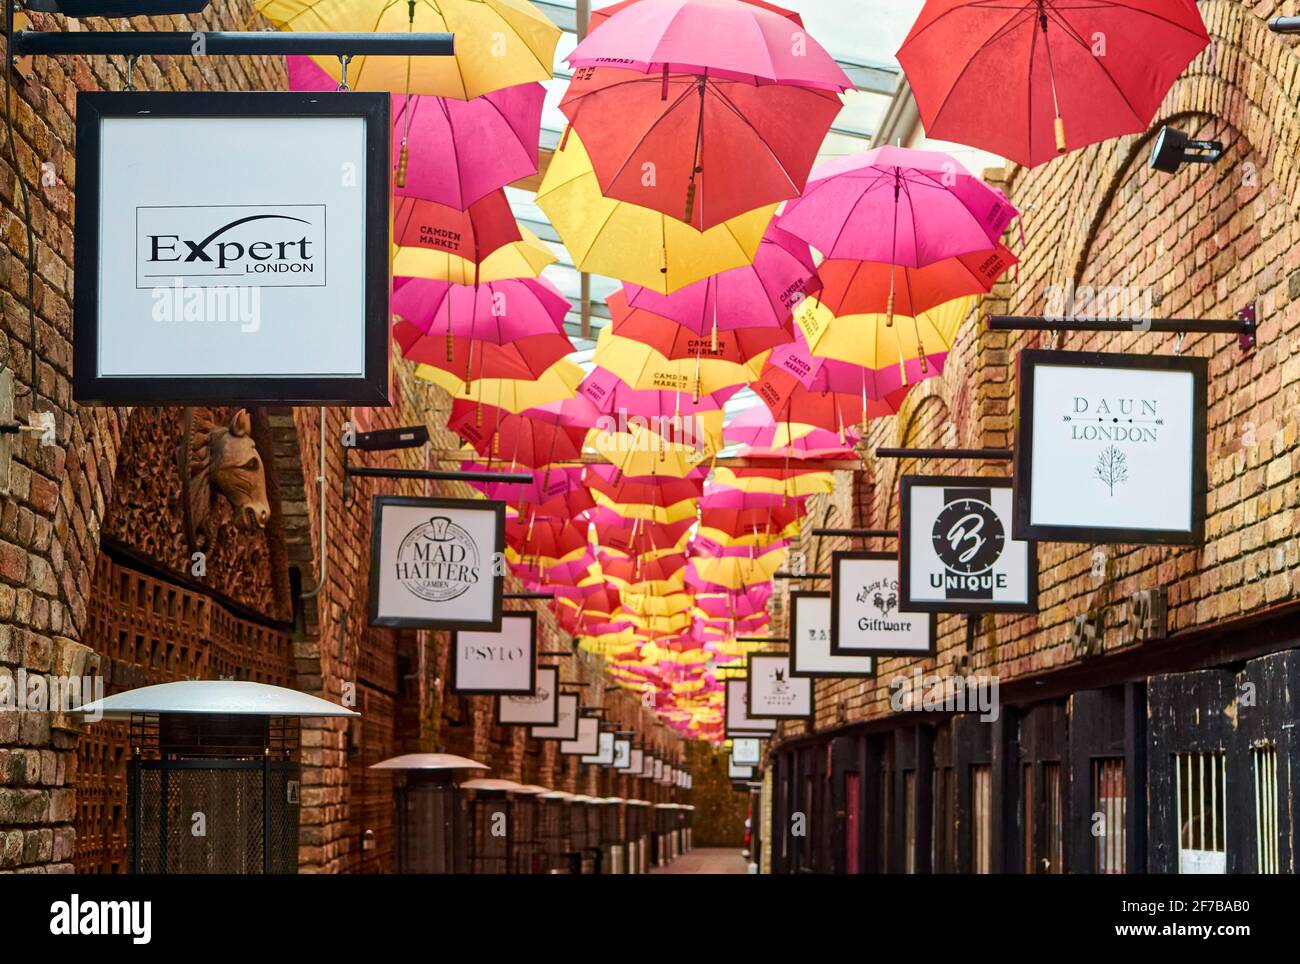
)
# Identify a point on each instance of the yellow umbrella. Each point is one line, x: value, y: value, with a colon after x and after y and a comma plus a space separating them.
x: 636, y: 244
x: 805, y: 483
x: 641, y: 367
x: 686, y: 509
x: 608, y: 642
x: 557, y: 383
x: 724, y: 538
x: 519, y: 259
x: 736, y: 571
x: 645, y: 452
x: 648, y: 605
x: 870, y: 341
x: 653, y: 587
x: 499, y: 43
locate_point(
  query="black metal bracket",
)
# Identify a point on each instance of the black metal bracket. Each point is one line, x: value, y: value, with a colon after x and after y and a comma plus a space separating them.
x: 805, y: 575
x: 1284, y: 25
x: 529, y: 595
x: 762, y: 639
x: 1242, y: 324
x: 985, y: 455
x: 218, y: 43
x: 438, y: 475
x: 858, y: 533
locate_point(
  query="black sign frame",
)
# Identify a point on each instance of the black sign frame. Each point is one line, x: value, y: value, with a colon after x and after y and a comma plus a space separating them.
x: 838, y: 650
x: 527, y: 614
x: 905, y: 486
x: 371, y: 389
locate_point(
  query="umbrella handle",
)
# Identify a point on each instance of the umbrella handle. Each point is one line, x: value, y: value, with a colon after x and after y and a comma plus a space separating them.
x: 402, y: 158
x: 1060, y: 134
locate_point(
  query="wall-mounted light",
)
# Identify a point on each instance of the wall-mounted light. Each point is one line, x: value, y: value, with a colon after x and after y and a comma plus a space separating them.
x: 1173, y: 148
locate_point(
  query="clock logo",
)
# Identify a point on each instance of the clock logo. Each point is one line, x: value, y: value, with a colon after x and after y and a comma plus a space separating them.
x: 968, y: 536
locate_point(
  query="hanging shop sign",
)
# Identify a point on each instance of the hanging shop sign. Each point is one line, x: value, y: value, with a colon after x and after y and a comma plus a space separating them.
x: 774, y: 693
x: 955, y: 551
x: 736, y: 711
x: 648, y: 766
x: 865, y: 612
x: 658, y: 773
x: 810, y: 640
x: 1110, y: 448
x: 737, y: 770
x: 434, y: 563
x: 666, y: 777
x: 504, y: 661
x: 231, y: 249
x: 566, y: 721
x: 635, y: 762
x: 604, y: 755
x: 747, y: 750
x: 538, y: 708
x: 587, y: 741
x: 622, y: 753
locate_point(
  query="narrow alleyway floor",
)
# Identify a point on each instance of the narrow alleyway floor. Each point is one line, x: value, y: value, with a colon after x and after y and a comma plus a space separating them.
x: 706, y: 861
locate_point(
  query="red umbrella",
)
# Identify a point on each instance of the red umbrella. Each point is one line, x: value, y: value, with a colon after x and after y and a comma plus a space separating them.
x: 790, y: 401
x: 740, y: 522
x: 701, y: 149
x: 645, y: 490
x: 1030, y: 79
x: 472, y: 234
x: 524, y: 439
x: 545, y: 537
x: 677, y: 341
x: 862, y: 287
x: 635, y: 569
x: 523, y: 358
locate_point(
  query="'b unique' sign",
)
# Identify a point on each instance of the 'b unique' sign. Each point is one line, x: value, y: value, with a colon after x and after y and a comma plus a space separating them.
x: 1110, y: 448
x: 434, y: 563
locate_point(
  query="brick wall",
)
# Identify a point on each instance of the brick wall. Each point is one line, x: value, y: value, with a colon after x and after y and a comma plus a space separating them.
x: 1208, y: 240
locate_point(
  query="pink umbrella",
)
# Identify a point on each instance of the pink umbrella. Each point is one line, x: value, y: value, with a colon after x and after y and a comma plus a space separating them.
x: 760, y: 295
x: 453, y: 151
x: 725, y: 38
x: 495, y: 311
x: 817, y: 374
x: 755, y: 427
x: 898, y: 206
x: 726, y: 497
x: 737, y: 604
x: 609, y: 393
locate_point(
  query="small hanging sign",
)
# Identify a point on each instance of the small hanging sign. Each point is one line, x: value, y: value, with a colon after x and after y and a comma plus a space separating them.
x: 865, y: 615
x: 566, y: 721
x: 736, y: 711
x: 774, y: 692
x: 622, y: 753
x: 635, y: 763
x: 1110, y: 448
x: 604, y: 755
x: 587, y: 741
x: 434, y: 563
x: 955, y: 551
x: 504, y: 661
x: 810, y: 641
x: 539, y: 708
x: 747, y: 750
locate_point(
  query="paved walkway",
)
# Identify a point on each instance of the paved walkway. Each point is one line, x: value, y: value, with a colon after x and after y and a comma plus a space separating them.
x: 706, y: 861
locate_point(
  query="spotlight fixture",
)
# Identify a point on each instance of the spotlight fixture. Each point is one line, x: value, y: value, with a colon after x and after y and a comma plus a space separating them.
x: 384, y: 440
x: 1173, y: 148
x: 116, y: 8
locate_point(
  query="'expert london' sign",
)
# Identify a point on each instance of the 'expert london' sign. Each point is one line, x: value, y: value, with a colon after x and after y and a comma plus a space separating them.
x: 231, y: 248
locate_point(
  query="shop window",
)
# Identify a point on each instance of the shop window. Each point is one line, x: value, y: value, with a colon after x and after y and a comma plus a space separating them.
x: 1264, y: 757
x: 981, y: 829
x: 909, y: 821
x: 1108, y: 815
x: 945, y: 821
x: 1201, y: 792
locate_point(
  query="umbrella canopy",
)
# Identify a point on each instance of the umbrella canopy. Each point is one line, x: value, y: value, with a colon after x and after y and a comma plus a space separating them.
x: 1026, y: 79
x: 898, y: 206
x: 652, y: 511
x: 471, y: 234
x: 698, y: 148
x: 636, y: 244
x: 759, y: 295
x: 643, y: 451
x: 453, y: 151
x: 524, y: 258
x: 531, y: 438
x: 495, y: 311
x: 604, y: 13
x: 862, y: 287
x: 718, y: 37
x: 546, y: 538
x: 609, y: 394
x: 652, y: 490
x: 675, y: 342
x: 472, y: 358
x: 499, y: 43
x: 557, y: 383
x: 641, y: 367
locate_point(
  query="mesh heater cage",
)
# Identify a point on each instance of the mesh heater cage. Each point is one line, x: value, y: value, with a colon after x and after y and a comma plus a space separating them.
x: 213, y: 794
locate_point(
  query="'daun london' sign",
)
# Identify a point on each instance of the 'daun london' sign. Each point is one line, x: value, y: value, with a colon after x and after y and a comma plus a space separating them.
x: 1110, y: 448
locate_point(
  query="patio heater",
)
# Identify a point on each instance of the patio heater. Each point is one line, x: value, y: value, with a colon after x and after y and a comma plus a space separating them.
x: 490, y: 824
x: 553, y: 831
x: 584, y: 834
x: 430, y: 812
x: 663, y: 817
x: 527, y: 853
x: 688, y: 825
x: 213, y: 783
x: 613, y: 839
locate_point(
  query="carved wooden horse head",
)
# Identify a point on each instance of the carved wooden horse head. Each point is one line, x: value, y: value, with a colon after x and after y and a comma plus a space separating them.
x: 223, y: 458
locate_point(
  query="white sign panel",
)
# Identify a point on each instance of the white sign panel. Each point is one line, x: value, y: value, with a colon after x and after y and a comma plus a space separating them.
x: 1110, y: 448
x: 232, y: 247
x: 538, y: 708
x: 604, y: 755
x: 504, y: 661
x: 737, y: 710
x: 810, y: 640
x: 747, y: 750
x: 865, y: 615
x: 635, y: 762
x: 434, y: 563
x: 588, y: 740
x: 955, y: 551
x: 622, y: 753
x: 566, y: 721
x: 739, y: 771
x: 774, y: 693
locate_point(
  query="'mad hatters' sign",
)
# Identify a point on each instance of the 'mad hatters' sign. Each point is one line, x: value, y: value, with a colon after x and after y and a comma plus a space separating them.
x: 955, y: 551
x: 434, y: 563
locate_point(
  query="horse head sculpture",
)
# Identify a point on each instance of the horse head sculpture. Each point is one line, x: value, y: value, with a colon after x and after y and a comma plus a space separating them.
x: 217, y: 457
